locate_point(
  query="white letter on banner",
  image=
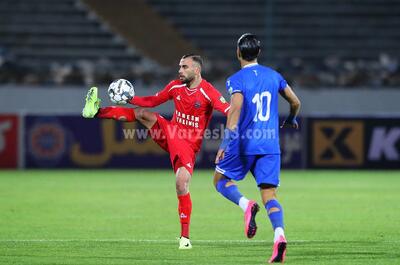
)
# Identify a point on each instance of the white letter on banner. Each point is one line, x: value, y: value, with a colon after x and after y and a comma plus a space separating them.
x: 383, y: 143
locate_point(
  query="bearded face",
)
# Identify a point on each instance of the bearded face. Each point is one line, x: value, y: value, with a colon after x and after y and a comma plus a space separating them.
x: 188, y: 70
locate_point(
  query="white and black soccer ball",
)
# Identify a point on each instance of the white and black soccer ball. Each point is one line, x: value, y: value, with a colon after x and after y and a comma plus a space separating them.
x: 121, y: 91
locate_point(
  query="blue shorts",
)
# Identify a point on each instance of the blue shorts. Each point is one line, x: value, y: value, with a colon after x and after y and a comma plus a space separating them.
x: 265, y: 168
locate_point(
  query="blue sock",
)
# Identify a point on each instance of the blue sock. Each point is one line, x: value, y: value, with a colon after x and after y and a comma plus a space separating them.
x: 276, y: 216
x: 231, y: 193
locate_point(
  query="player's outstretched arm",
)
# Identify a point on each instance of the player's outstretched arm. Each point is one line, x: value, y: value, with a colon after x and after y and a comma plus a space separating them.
x: 231, y: 124
x: 149, y: 101
x: 153, y: 101
x: 294, y: 102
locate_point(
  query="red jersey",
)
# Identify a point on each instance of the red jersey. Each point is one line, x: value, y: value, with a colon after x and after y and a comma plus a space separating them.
x: 193, y: 108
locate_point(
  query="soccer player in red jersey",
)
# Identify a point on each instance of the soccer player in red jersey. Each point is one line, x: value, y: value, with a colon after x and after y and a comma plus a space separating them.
x: 181, y: 137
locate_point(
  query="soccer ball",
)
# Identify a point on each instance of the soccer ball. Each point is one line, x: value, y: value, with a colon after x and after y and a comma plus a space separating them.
x: 121, y: 91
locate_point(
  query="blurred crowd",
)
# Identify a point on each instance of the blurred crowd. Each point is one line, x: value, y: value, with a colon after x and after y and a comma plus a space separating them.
x: 80, y: 73
x: 333, y: 71
x: 329, y: 72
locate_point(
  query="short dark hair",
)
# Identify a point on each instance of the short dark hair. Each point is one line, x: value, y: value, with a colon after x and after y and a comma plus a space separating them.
x: 249, y: 46
x: 196, y: 58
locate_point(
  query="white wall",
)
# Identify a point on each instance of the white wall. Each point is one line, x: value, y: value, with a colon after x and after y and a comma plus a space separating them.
x: 314, y: 101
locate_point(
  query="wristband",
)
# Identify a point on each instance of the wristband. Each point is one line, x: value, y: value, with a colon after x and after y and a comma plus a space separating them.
x: 291, y: 118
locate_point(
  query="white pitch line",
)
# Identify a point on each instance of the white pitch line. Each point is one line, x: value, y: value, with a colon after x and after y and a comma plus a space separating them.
x: 174, y: 241
x: 132, y: 240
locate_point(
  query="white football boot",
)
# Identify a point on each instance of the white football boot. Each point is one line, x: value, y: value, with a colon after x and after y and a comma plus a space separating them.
x: 184, y: 243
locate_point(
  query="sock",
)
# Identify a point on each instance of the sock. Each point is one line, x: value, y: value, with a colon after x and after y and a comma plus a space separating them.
x: 184, y: 211
x: 243, y: 203
x: 278, y: 232
x: 231, y: 192
x: 117, y: 113
x: 275, y: 213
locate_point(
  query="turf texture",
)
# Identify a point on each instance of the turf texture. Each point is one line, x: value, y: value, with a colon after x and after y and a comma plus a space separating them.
x: 130, y: 217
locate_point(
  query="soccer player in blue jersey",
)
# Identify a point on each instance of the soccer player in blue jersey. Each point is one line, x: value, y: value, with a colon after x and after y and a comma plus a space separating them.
x: 251, y: 139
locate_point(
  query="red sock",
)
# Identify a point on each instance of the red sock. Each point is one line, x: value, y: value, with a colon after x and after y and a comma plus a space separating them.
x: 117, y: 113
x: 184, y: 211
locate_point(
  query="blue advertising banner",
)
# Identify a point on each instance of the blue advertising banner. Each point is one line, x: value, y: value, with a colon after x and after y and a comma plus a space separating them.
x: 74, y: 142
x: 293, y: 149
x: 71, y: 141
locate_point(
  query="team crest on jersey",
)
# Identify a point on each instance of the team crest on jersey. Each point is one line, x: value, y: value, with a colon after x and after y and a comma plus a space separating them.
x: 197, y: 104
x: 222, y: 99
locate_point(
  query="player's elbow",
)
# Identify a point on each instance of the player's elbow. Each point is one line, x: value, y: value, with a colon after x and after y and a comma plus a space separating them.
x: 295, y: 103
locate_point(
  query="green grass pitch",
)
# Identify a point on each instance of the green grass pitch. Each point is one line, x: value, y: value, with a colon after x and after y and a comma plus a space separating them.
x: 130, y: 217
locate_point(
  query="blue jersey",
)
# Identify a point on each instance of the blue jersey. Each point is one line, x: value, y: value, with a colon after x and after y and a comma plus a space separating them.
x: 258, y: 126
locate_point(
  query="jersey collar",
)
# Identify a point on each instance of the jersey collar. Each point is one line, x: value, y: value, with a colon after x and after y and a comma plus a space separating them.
x: 250, y: 65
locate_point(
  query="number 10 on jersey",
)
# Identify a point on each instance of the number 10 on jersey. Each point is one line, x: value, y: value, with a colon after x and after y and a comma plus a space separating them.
x: 263, y: 111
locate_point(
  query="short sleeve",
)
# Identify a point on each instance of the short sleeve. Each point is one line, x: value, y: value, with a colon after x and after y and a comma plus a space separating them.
x: 282, y: 82
x: 217, y: 100
x: 233, y: 86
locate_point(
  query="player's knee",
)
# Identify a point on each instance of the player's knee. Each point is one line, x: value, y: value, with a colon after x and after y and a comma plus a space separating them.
x: 182, y: 186
x: 182, y: 181
x: 216, y: 179
x: 139, y: 113
x: 268, y: 192
x: 145, y: 116
x: 148, y: 115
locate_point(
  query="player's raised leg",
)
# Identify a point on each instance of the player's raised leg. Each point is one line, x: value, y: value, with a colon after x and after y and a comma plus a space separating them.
x: 145, y: 117
x: 92, y: 109
x: 183, y: 177
x: 117, y: 113
x: 229, y: 190
x: 275, y: 214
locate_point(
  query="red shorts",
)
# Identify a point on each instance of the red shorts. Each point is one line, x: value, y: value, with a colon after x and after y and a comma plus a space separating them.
x: 180, y: 151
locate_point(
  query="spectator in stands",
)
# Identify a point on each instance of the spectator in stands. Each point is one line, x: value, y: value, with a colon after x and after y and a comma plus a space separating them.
x: 331, y: 71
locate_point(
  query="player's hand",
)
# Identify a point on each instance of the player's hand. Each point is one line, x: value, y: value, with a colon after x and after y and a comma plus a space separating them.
x: 290, y: 122
x: 220, y: 155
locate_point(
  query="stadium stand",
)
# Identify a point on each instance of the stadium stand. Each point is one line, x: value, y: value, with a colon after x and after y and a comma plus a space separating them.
x: 309, y: 29
x: 60, y: 37
x: 214, y: 26
x: 348, y: 29
x: 314, y: 43
x: 126, y: 18
x: 345, y: 43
